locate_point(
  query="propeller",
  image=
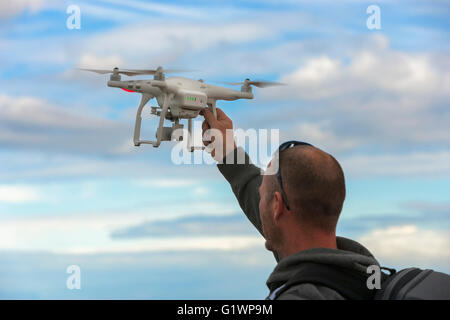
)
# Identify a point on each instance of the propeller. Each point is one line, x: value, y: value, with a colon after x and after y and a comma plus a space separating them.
x: 114, y: 71
x: 157, y: 70
x: 259, y: 84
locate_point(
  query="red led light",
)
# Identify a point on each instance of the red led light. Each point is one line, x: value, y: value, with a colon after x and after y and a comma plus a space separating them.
x: 127, y: 90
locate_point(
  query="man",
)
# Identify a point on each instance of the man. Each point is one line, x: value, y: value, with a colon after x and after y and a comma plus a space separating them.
x: 296, y: 210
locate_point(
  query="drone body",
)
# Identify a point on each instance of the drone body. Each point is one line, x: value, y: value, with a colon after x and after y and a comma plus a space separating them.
x: 178, y: 98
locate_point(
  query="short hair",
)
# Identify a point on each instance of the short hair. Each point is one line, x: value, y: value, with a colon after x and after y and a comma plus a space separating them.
x: 314, y: 184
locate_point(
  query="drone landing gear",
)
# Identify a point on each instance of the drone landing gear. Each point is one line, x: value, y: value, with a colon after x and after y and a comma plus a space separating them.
x: 212, y: 107
x: 190, y: 145
x: 159, y: 132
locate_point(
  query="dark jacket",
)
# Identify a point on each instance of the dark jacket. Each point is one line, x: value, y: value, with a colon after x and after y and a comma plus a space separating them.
x: 245, y: 180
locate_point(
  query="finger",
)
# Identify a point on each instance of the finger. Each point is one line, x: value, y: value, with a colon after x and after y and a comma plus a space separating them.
x: 205, y: 126
x: 209, y: 117
x: 221, y: 115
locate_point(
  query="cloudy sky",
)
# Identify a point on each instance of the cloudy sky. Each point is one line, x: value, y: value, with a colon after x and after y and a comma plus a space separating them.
x: 75, y: 191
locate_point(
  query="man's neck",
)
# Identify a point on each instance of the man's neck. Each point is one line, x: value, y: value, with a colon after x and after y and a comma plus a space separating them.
x: 305, y: 242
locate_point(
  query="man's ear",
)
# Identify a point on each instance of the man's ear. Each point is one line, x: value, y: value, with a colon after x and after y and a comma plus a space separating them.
x: 278, y: 204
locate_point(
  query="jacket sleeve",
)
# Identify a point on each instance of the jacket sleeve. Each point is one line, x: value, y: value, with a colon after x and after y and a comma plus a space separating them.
x: 245, y: 179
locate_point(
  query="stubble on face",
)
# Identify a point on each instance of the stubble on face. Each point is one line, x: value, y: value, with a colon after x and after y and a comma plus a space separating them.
x: 271, y: 232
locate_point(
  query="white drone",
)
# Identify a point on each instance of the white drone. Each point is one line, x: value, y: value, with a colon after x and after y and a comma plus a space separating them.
x: 177, y: 97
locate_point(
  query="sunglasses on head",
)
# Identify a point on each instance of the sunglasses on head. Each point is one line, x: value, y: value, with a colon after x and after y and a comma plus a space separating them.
x: 282, y: 147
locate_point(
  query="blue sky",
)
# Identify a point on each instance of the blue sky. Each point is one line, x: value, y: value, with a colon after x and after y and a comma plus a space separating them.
x: 74, y: 189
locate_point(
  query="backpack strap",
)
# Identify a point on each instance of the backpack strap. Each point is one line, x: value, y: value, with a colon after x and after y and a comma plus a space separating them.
x: 350, y: 284
x: 395, y: 282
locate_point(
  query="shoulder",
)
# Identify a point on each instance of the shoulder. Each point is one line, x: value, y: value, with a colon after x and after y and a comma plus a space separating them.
x: 309, y: 291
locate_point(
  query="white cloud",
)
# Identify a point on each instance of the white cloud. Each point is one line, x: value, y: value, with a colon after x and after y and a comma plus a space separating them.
x: 373, y: 97
x: 92, y: 61
x: 372, y: 68
x: 381, y: 163
x: 169, y: 41
x: 320, y: 135
x: 83, y: 234
x: 344, y: 144
x: 95, y: 62
x: 315, y: 79
x: 409, y: 245
x: 91, y: 9
x: 422, y: 164
x: 199, y: 33
x: 31, y: 112
x: 148, y: 167
x: 33, y: 123
x: 18, y: 194
x: 11, y: 8
x: 172, y: 244
x: 170, y: 10
x: 91, y: 233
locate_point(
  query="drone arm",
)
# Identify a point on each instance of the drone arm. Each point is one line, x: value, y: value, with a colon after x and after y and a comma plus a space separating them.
x: 158, y: 83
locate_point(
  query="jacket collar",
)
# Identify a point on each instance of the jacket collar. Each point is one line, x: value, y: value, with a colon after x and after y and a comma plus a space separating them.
x: 349, y: 254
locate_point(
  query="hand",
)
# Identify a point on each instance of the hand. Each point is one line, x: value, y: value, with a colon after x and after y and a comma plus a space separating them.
x: 222, y: 129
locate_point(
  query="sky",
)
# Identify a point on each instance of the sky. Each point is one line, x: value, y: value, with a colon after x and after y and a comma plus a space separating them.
x: 75, y: 191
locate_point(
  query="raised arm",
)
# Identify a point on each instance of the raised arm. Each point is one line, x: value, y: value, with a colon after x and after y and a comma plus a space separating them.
x: 244, y: 177
x: 244, y: 180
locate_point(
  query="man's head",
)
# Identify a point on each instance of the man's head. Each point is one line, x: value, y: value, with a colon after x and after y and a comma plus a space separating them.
x: 315, y: 190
